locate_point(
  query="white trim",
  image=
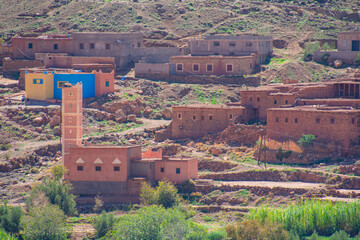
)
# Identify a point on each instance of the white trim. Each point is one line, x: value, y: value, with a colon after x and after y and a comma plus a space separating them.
x: 116, y: 161
x: 232, y: 67
x: 80, y: 161
x: 194, y: 65
x: 212, y: 67
x: 98, y: 161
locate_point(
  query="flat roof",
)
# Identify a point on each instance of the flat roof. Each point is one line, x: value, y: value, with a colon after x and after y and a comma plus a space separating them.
x: 317, y: 108
x: 108, y: 146
x: 208, y: 106
x: 214, y: 56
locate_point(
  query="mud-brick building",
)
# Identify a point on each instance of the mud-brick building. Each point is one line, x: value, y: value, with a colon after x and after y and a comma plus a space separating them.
x: 333, y: 125
x: 227, y: 45
x: 27, y: 47
x: 114, y: 172
x: 199, y: 120
x: 214, y: 65
x: 349, y: 41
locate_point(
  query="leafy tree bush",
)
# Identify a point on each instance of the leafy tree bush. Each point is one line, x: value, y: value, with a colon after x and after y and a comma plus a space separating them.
x: 6, y: 236
x: 357, y: 59
x: 10, y: 218
x: 341, y: 235
x: 103, y: 224
x: 156, y: 222
x: 314, y: 236
x: 44, y: 222
x: 58, y: 171
x: 187, y: 187
x: 255, y: 230
x: 310, y: 48
x: 217, y: 235
x: 306, y: 140
x: 165, y: 194
x: 324, y: 58
x: 58, y: 193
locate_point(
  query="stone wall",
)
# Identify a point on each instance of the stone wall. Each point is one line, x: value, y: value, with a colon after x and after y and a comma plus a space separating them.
x: 241, y: 134
x: 11, y: 68
x: 346, y: 57
x: 248, y: 81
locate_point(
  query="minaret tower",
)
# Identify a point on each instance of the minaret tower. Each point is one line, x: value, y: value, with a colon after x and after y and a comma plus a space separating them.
x: 71, y: 118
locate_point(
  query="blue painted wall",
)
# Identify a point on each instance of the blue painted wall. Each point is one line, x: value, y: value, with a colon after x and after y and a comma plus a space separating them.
x: 88, y: 82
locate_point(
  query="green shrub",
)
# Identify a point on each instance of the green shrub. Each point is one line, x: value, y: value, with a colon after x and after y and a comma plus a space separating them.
x: 156, y: 222
x: 58, y: 171
x: 313, y: 215
x: 357, y: 59
x: 44, y: 222
x: 306, y: 140
x: 10, y: 218
x: 293, y: 236
x: 5, y: 147
x: 255, y: 230
x: 58, y: 193
x: 324, y: 58
x: 341, y: 235
x: 103, y: 224
x: 187, y: 187
x: 6, y: 236
x: 217, y: 235
x: 314, y: 236
x: 165, y: 194
x: 310, y: 48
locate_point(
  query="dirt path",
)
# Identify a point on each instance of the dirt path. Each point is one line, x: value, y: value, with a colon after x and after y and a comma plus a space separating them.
x: 298, y: 185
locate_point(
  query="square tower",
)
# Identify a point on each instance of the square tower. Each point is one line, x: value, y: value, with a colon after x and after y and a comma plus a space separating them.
x: 71, y: 108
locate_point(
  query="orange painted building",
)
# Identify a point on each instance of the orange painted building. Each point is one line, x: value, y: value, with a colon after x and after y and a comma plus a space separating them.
x: 104, y: 82
x: 114, y: 172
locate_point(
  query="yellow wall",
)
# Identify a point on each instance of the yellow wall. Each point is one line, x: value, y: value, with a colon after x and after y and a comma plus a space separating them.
x: 39, y: 91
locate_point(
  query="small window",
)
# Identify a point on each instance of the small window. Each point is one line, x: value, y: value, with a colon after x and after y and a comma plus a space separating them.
x: 81, y: 46
x: 286, y: 120
x: 139, y: 44
x: 92, y: 45
x: 250, y: 65
x: 295, y: 120
x: 277, y: 119
x: 275, y: 102
x: 70, y: 105
x: 353, y: 121
x: 98, y: 168
x: 286, y: 102
x: 332, y: 120
x: 250, y: 99
x: 80, y: 168
x: 70, y: 119
x: 107, y: 46
x: 61, y: 83
x: 116, y: 169
x: 179, y: 67
x: 179, y: 116
x: 258, y: 99
x: 194, y: 117
x: 202, y: 118
x: 56, y: 46
x: 70, y: 131
x: 216, y: 44
x: 209, y: 67
x: 230, y: 116
x: 177, y: 170
x: 162, y: 169
x: 37, y: 81
x: 30, y: 45
x: 196, y: 67
x: 107, y: 84
x: 232, y: 44
x: 249, y: 44
x: 210, y: 117
x: 229, y: 67
x: 318, y: 120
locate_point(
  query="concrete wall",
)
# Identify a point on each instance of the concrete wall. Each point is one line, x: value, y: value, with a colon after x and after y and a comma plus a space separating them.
x: 198, y: 121
x: 347, y: 57
x: 155, y: 54
x: 345, y: 41
x: 143, y: 169
x: 68, y: 61
x: 185, y: 65
x: 188, y: 170
x: 144, y: 68
x: 11, y: 68
x: 87, y: 80
x: 104, y: 82
x: 39, y: 86
x: 23, y: 50
x: 330, y: 125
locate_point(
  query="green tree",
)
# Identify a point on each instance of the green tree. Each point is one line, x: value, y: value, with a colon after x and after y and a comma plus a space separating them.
x: 306, y: 140
x: 10, y: 218
x: 164, y: 194
x: 103, y: 224
x: 45, y: 223
x: 156, y: 222
x: 6, y: 236
x: 58, y: 193
x: 58, y: 171
x: 310, y: 48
